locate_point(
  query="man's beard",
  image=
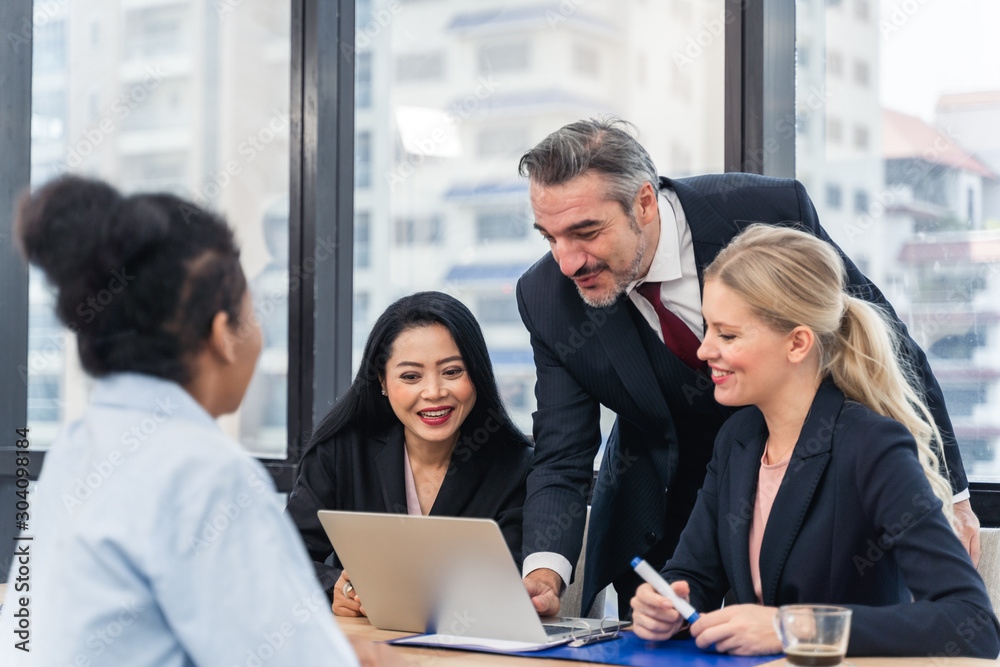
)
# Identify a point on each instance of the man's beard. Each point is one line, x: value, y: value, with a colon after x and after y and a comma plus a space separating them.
x: 622, y: 279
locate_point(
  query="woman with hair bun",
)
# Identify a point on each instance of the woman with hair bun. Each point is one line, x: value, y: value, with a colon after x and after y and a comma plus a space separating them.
x: 156, y: 540
x: 421, y: 430
x: 829, y: 490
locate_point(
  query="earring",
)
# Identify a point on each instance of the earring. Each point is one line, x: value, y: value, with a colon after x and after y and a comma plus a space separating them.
x: 383, y: 392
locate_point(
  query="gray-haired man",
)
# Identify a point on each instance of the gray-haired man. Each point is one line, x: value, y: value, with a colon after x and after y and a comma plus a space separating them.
x: 614, y: 311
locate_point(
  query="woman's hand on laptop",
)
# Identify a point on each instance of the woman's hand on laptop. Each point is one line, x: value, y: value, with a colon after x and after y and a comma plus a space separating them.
x: 345, y: 600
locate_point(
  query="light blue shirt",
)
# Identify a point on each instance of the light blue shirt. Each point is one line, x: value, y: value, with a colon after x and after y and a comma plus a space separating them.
x: 159, y: 541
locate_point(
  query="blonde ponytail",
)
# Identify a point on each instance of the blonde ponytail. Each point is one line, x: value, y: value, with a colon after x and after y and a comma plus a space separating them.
x: 864, y: 362
x: 790, y: 278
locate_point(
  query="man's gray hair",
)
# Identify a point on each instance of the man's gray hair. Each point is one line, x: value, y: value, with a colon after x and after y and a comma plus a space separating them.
x: 602, y: 145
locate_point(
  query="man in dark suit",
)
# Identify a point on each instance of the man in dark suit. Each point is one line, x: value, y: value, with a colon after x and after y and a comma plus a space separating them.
x: 614, y: 313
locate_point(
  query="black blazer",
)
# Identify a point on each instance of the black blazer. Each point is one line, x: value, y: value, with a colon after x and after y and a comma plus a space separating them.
x: 667, y: 418
x: 854, y: 523
x: 364, y: 473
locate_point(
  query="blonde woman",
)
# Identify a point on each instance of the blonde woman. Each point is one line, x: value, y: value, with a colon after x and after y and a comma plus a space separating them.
x: 829, y: 489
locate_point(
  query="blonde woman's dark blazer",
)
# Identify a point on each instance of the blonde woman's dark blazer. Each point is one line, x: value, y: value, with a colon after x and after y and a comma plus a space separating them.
x: 854, y: 523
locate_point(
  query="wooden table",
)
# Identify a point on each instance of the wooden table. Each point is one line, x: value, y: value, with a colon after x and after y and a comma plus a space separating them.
x: 361, y: 628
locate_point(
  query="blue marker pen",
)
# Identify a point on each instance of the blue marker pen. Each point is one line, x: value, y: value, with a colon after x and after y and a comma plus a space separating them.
x: 646, y: 571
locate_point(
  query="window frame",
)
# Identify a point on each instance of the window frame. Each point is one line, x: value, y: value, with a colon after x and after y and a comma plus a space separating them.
x: 759, y: 98
x: 15, y: 172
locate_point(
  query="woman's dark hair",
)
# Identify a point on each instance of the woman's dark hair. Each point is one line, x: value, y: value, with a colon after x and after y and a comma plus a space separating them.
x: 363, y: 406
x: 138, y: 279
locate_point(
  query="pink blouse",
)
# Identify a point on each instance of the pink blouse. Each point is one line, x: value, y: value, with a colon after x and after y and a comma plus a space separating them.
x: 768, y: 482
x: 412, y: 500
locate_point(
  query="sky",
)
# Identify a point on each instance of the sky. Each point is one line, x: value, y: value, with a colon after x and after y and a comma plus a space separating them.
x: 934, y: 47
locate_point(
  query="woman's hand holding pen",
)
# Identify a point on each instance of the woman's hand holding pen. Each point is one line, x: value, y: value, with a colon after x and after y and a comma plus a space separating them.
x: 654, y: 616
x: 743, y: 629
x: 345, y: 600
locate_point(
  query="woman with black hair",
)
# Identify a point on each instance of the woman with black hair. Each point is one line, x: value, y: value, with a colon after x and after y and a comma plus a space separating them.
x: 155, y: 539
x: 421, y: 430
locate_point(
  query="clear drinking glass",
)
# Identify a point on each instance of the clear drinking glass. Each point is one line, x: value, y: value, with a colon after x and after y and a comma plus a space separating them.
x: 813, y: 634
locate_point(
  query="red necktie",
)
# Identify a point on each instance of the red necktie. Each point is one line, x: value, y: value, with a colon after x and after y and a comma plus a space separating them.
x: 677, y: 335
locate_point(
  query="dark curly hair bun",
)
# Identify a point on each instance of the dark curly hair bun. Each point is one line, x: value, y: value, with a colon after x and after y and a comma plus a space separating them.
x: 137, y: 278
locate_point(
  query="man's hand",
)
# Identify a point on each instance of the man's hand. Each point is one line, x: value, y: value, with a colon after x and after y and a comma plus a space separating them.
x: 967, y: 528
x: 654, y: 616
x: 742, y: 629
x: 543, y: 585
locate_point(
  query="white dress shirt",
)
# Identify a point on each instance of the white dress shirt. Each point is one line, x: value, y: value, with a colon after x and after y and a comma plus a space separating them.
x: 674, y: 268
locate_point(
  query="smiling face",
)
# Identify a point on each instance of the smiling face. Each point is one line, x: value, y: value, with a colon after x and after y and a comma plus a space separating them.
x: 596, y: 244
x: 428, y: 386
x: 750, y: 361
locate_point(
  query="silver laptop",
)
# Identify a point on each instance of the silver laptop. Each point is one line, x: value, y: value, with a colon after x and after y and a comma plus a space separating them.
x: 446, y: 576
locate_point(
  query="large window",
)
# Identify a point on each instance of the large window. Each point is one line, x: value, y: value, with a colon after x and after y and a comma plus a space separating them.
x: 897, y: 101
x: 188, y: 97
x: 438, y: 147
x: 912, y: 138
